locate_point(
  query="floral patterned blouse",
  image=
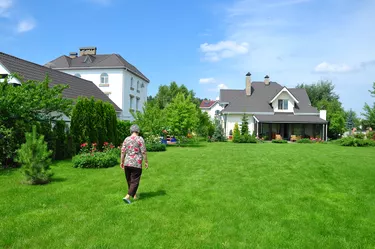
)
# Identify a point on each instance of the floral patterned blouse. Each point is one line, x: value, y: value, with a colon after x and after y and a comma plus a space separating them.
x: 134, y: 147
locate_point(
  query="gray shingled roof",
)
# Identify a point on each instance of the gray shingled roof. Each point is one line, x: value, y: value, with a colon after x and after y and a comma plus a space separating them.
x: 77, y: 86
x: 290, y: 118
x: 258, y: 102
x: 96, y: 61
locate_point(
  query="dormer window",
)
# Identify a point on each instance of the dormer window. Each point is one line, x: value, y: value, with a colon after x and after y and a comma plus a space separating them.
x: 283, y: 104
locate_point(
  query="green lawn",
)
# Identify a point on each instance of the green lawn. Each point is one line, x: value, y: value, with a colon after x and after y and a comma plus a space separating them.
x: 216, y: 196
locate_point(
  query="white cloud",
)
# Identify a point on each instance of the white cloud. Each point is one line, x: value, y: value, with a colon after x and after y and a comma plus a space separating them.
x: 326, y: 67
x: 223, y: 49
x: 222, y: 86
x: 4, y: 7
x: 207, y: 81
x: 26, y: 25
x: 218, y: 87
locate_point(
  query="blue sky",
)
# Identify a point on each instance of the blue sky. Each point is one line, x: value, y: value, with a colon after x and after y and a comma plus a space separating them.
x: 207, y: 44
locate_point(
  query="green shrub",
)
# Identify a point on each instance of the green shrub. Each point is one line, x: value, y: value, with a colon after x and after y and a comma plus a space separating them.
x: 95, y: 160
x: 93, y: 121
x: 279, y: 141
x: 359, y: 135
x: 304, y: 141
x: 34, y: 158
x: 245, y: 139
x: 236, y: 133
x: 355, y: 142
x: 123, y: 130
x: 218, y: 135
x: 156, y: 147
x: 60, y: 141
x: 371, y: 135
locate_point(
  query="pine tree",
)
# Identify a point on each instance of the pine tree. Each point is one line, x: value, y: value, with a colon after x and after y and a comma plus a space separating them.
x: 34, y: 157
x: 218, y: 135
x: 236, y: 133
x: 245, y: 125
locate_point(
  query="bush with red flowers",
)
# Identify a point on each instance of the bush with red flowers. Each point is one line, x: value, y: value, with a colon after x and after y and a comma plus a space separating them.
x: 91, y: 157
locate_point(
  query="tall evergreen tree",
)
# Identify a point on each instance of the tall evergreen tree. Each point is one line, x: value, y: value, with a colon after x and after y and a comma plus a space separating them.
x: 245, y: 125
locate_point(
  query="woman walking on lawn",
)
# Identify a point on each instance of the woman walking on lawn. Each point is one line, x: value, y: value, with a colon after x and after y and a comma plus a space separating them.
x: 133, y: 153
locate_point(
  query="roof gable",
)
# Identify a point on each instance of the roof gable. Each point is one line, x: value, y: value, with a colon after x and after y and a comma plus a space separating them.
x: 208, y: 104
x: 280, y: 92
x: 32, y: 71
x: 95, y: 61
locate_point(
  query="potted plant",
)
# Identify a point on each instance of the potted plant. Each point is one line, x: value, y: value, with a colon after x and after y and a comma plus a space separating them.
x: 230, y: 135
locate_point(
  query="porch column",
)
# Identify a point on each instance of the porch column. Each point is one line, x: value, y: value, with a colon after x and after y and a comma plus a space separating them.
x: 258, y: 129
x: 326, y: 132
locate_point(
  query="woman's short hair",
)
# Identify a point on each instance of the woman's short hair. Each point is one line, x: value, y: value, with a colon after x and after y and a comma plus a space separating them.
x: 134, y: 128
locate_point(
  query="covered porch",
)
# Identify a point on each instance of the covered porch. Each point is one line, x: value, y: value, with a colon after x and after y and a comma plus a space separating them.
x: 290, y: 127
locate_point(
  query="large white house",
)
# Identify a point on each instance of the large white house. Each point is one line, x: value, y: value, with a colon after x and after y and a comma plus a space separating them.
x: 273, y: 110
x: 31, y: 71
x: 122, y: 82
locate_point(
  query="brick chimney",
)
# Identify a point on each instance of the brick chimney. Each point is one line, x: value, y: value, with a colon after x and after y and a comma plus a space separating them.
x: 248, y: 84
x: 87, y: 51
x: 266, y: 80
x: 73, y: 55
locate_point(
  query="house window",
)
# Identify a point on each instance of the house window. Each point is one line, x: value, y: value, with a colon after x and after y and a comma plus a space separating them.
x: 137, y: 104
x: 77, y: 75
x: 283, y: 104
x: 137, y: 86
x: 104, y: 78
x: 217, y: 112
x: 131, y: 83
x: 131, y: 102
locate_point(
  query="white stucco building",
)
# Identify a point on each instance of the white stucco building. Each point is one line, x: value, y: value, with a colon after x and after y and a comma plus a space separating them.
x: 122, y: 82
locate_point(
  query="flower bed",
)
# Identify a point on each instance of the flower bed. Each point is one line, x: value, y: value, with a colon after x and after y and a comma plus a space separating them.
x: 90, y: 157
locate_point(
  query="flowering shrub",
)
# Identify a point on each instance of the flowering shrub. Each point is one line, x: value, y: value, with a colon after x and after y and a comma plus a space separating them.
x: 108, y: 146
x: 152, y: 139
x: 90, y: 157
x: 95, y: 160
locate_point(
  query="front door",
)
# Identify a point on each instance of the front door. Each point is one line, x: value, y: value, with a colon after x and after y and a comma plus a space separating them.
x: 284, y: 130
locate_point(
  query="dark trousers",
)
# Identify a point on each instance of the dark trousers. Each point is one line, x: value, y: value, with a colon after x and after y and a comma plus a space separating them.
x: 133, y: 176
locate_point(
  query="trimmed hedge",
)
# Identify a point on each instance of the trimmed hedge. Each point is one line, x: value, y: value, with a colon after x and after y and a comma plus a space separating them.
x: 279, y: 141
x: 95, y: 160
x: 156, y: 147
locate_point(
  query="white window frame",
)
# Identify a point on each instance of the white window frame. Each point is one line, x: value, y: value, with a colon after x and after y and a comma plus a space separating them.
x: 104, y: 78
x: 284, y: 103
x: 131, y: 102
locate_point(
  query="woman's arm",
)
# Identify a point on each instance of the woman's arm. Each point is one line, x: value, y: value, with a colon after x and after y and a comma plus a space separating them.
x: 123, y: 153
x: 144, y: 152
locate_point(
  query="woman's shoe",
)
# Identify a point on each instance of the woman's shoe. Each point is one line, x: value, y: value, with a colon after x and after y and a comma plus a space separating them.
x: 127, y: 201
